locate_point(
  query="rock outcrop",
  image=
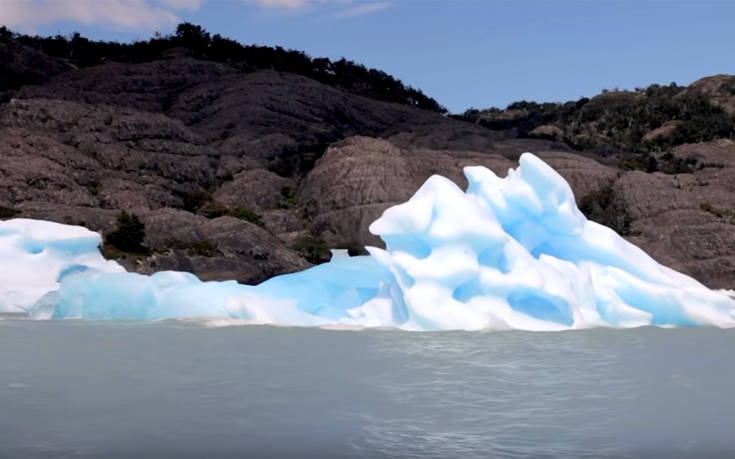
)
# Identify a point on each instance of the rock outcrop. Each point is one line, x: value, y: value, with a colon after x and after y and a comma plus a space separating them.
x: 231, y: 170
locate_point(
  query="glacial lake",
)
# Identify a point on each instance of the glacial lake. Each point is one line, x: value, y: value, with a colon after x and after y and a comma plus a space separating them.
x: 186, y: 389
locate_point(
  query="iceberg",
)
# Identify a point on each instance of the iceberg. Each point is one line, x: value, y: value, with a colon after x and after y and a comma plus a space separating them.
x: 507, y: 253
x: 35, y: 256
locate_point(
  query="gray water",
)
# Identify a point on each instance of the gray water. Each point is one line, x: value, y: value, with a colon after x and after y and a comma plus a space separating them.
x: 173, y: 389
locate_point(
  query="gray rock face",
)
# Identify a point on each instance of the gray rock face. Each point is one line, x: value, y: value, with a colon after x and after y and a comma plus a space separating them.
x: 189, y: 145
x: 186, y: 145
x: 256, y: 189
x: 686, y: 221
x: 719, y: 90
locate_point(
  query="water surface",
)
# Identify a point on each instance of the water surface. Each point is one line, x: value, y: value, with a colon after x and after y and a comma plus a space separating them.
x: 102, y: 389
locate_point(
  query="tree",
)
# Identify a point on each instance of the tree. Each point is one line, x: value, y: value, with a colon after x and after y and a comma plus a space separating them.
x: 5, y: 34
x: 193, y: 37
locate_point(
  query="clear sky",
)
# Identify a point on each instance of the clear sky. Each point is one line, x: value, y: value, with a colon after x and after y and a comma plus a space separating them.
x: 464, y: 53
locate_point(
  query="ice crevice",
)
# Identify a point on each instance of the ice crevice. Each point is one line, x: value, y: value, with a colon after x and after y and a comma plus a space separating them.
x: 508, y: 253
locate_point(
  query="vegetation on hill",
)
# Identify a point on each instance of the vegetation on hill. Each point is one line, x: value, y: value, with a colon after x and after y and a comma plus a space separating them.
x: 198, y: 43
x: 652, y: 119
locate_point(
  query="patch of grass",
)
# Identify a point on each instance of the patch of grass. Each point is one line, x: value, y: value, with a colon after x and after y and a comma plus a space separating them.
x: 243, y: 213
x: 717, y: 211
x: 638, y: 164
x: 203, y: 204
x: 290, y: 197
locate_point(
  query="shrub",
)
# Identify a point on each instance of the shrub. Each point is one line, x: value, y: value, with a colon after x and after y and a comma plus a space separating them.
x: 8, y: 212
x: 667, y: 163
x: 673, y: 165
x: 603, y: 207
x: 194, y: 200
x: 129, y: 234
x: 354, y: 248
x: 213, y: 209
x: 312, y: 247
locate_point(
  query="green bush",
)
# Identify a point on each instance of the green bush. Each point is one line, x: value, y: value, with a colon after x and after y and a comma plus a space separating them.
x: 129, y: 234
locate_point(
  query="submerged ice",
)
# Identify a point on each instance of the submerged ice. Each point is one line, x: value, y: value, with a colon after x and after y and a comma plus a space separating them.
x: 509, y: 253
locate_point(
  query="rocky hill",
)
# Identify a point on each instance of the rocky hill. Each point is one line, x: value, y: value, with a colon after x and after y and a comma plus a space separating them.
x: 239, y: 171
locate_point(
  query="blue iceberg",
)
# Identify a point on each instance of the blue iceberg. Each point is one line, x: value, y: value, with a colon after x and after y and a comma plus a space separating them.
x: 509, y: 253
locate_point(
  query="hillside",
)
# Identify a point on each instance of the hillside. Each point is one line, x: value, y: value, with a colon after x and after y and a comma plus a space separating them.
x: 242, y: 168
x: 653, y: 119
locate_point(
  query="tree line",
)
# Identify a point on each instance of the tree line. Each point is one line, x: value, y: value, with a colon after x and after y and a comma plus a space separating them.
x: 342, y: 73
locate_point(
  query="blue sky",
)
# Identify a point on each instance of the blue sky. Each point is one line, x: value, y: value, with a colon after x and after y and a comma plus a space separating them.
x: 464, y: 53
